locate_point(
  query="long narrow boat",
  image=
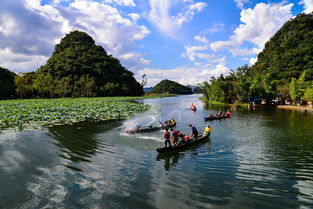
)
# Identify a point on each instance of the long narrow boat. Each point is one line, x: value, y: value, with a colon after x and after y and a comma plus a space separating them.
x: 200, y: 140
x: 151, y: 129
x: 208, y: 118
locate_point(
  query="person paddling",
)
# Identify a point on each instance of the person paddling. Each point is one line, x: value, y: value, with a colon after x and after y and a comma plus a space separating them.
x: 194, y: 131
x: 167, y: 138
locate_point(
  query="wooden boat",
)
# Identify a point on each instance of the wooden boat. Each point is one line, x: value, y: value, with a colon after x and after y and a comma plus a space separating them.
x: 208, y: 118
x: 200, y: 140
x: 146, y: 130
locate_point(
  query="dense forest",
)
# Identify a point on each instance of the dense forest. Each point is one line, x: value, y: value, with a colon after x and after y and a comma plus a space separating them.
x: 6, y: 83
x: 283, y: 69
x: 77, y: 68
x: 172, y: 87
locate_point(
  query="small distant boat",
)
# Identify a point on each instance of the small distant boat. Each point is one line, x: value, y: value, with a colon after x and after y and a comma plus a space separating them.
x: 216, y: 118
x: 201, y: 139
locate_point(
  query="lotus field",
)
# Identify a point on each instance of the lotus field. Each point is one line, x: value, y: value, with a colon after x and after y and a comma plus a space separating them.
x: 31, y: 113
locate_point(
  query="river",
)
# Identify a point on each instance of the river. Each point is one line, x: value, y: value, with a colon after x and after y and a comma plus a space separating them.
x: 260, y: 158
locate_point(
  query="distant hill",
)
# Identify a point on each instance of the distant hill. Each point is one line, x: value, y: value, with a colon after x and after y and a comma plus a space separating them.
x: 172, y: 87
x: 85, y: 69
x: 7, y: 87
x: 147, y: 89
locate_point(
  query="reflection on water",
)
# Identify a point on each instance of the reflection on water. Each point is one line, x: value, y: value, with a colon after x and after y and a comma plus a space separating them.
x: 79, y: 143
x: 261, y: 158
x: 169, y: 159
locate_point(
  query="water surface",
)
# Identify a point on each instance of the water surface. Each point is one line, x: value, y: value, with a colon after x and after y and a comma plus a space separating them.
x: 260, y: 158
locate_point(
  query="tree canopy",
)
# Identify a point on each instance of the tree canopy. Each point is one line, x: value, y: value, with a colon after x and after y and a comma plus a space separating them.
x: 7, y: 85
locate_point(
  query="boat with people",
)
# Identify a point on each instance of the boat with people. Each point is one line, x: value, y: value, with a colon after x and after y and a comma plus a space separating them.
x: 218, y: 116
x: 193, y: 107
x: 192, y: 142
x: 167, y: 124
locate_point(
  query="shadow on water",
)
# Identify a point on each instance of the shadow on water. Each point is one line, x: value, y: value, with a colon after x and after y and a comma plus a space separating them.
x: 169, y: 159
x: 79, y: 143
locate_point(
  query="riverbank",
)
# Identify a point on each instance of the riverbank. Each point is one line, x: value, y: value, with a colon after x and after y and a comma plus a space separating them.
x: 299, y: 108
x: 30, y: 113
x: 232, y: 106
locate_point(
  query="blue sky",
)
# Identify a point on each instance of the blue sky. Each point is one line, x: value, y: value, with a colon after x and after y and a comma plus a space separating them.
x: 183, y: 40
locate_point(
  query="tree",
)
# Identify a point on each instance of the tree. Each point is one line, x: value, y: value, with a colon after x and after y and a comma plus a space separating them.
x: 294, y: 90
x: 45, y: 85
x: 308, y: 94
x: 24, y: 85
x: 143, y: 80
x: 63, y: 87
x: 7, y: 86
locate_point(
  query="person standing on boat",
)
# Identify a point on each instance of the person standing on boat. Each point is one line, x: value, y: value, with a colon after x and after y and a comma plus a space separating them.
x: 174, y: 136
x: 194, y: 131
x: 167, y: 138
x: 207, y: 130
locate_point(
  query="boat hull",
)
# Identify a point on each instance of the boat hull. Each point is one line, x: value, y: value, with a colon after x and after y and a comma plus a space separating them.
x: 209, y: 119
x: 147, y: 130
x: 200, y: 140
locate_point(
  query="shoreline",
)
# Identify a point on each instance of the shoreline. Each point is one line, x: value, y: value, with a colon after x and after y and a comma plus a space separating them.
x: 298, y: 108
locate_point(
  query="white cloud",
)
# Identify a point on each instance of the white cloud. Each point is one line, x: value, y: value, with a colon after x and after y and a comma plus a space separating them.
x: 134, y: 16
x: 201, y: 39
x: 134, y: 60
x: 23, y: 62
x: 259, y: 25
x: 308, y: 5
x: 215, y: 28
x: 160, y: 17
x: 122, y: 2
x: 187, y: 15
x: 31, y: 29
x: 184, y: 75
x: 240, y: 3
x: 192, y: 52
x: 253, y: 60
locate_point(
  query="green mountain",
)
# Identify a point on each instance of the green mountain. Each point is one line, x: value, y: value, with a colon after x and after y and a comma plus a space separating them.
x: 83, y: 68
x: 6, y: 83
x: 284, y: 67
x: 289, y: 52
x: 168, y: 86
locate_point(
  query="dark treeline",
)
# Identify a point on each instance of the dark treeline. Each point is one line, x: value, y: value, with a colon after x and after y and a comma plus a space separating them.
x: 77, y: 68
x: 284, y: 69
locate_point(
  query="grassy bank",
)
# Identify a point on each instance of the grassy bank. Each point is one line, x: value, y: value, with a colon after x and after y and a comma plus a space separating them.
x: 232, y: 106
x: 157, y: 95
x: 30, y: 113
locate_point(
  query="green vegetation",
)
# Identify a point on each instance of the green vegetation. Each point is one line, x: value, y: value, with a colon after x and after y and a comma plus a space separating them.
x: 157, y: 95
x: 6, y: 83
x: 22, y: 114
x: 284, y: 67
x: 77, y: 68
x: 171, y: 87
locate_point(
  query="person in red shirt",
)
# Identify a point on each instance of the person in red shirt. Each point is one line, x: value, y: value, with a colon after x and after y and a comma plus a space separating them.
x: 167, y: 138
x: 174, y: 136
